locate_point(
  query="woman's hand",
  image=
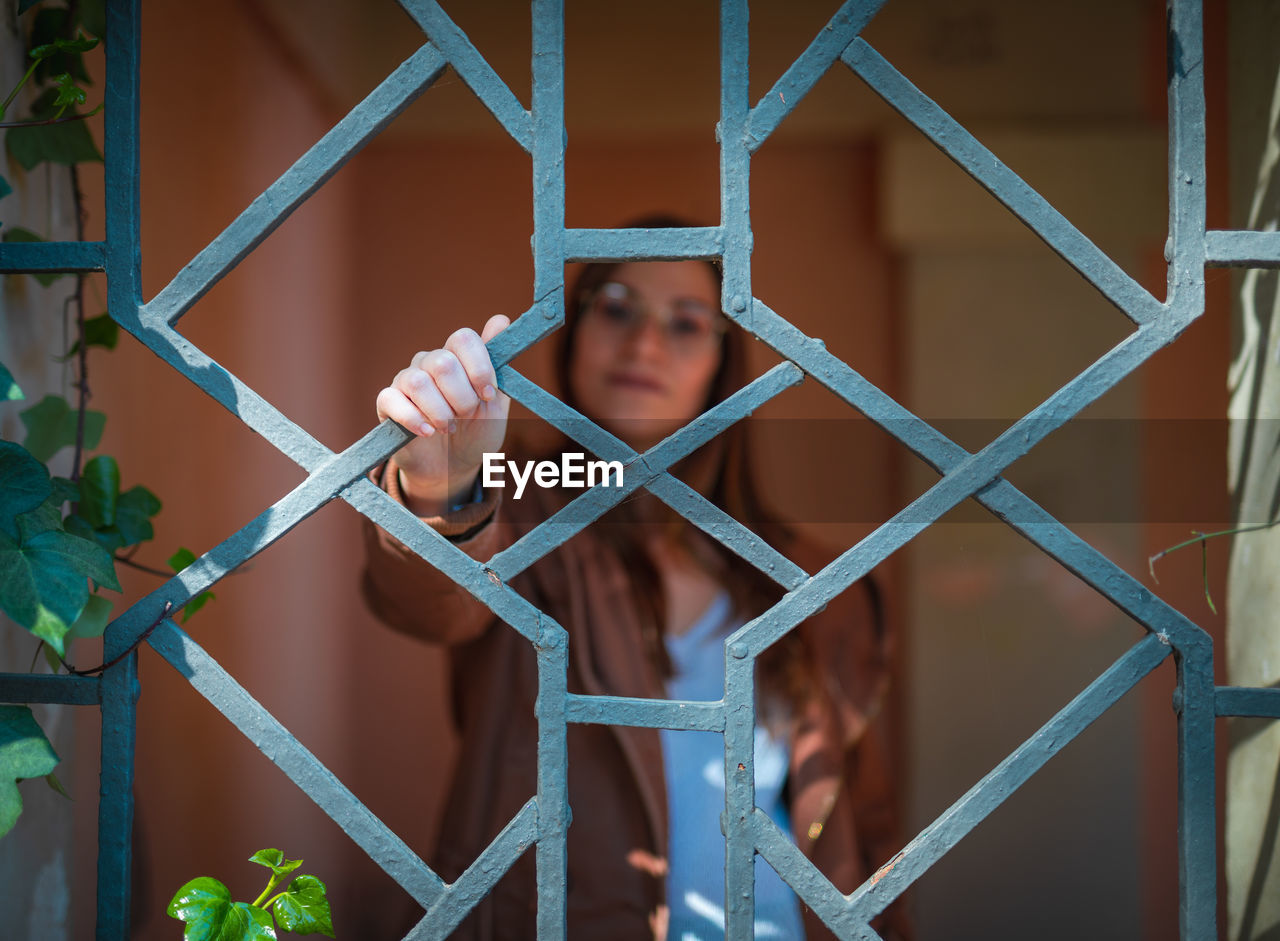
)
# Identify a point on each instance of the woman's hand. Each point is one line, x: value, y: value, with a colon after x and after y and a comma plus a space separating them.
x: 449, y: 399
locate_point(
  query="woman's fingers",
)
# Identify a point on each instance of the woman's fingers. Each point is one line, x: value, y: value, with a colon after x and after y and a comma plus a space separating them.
x: 394, y: 404
x: 473, y: 357
x: 443, y: 385
x: 422, y: 389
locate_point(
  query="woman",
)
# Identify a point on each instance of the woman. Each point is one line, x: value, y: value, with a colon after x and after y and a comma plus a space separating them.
x: 646, y: 600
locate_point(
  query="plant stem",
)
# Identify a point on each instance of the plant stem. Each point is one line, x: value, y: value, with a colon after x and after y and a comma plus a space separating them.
x: 126, y: 560
x: 42, y: 123
x: 275, y: 878
x: 83, y: 384
x: 17, y: 88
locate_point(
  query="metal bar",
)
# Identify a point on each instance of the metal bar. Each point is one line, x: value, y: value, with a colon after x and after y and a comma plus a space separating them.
x: 311, y: 171
x: 949, y: 136
x: 735, y: 160
x: 18, y: 257
x: 646, y: 713
x: 472, y: 68
x: 552, y: 852
x: 268, y: 526
x: 547, y: 151
x: 1185, y: 68
x: 1197, y: 802
x: 119, y: 684
x: 1000, y: 497
x: 259, y: 726
x: 642, y: 244
x: 594, y: 503
x: 478, y: 579
x: 813, y: 888
x: 1242, y: 249
x: 739, y: 793
x: 937, y: 839
x: 32, y: 687
x: 678, y: 495
x: 800, y: 77
x: 1256, y: 702
x: 460, y: 897
x: 966, y: 477
x: 551, y: 644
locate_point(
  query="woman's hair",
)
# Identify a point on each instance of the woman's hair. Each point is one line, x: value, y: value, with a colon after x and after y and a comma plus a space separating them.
x: 721, y: 470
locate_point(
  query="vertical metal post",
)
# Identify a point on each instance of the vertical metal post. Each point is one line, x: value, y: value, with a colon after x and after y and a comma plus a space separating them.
x: 735, y: 159
x: 124, y: 294
x: 547, y: 114
x: 739, y: 692
x: 1186, y: 247
x: 1197, y: 801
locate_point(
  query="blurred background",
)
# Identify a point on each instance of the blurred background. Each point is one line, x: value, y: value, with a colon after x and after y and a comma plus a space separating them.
x: 865, y: 236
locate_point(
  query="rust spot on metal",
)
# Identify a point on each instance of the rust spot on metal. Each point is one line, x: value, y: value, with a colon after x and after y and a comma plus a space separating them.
x: 493, y: 576
x: 884, y: 870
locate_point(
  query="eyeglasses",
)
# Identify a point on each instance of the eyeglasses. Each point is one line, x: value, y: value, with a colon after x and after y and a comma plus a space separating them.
x: 688, y: 326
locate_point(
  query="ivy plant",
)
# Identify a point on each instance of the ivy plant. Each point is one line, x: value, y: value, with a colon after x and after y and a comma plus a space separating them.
x: 61, y: 538
x: 298, y: 904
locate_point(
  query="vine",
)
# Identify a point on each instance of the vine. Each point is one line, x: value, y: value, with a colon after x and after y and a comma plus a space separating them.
x: 61, y: 538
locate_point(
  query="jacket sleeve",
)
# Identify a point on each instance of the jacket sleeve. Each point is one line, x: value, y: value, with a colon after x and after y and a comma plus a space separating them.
x: 413, y: 596
x: 877, y: 809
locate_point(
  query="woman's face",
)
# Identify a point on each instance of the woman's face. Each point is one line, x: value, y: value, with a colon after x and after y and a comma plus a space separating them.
x: 647, y: 348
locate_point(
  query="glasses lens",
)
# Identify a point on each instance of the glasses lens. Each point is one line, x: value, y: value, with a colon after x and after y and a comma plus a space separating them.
x: 688, y: 326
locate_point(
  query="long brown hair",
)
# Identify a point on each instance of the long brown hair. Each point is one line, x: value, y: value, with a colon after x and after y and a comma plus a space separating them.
x: 722, y: 471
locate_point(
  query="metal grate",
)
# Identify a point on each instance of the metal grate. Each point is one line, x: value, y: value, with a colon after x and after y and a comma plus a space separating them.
x: 742, y: 129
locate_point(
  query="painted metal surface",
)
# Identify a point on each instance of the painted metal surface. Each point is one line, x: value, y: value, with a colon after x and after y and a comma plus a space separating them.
x: 742, y: 129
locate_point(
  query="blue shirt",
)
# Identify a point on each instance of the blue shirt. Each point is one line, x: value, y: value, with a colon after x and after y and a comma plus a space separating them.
x: 695, y: 797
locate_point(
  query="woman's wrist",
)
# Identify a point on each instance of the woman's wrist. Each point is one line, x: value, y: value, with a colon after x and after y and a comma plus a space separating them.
x: 424, y: 498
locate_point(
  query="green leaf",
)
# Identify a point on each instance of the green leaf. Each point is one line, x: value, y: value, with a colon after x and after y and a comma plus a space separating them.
x: 69, y: 93
x: 98, y: 331
x: 51, y: 779
x: 247, y: 923
x: 51, y: 629
x: 93, y: 619
x: 275, y: 861
x: 9, y: 390
x: 42, y: 581
x: 179, y: 561
x: 43, y: 518
x: 24, y: 753
x: 93, y: 16
x: 66, y: 143
x: 51, y: 426
x: 81, y: 43
x: 134, y: 509
x: 303, y: 908
x: 196, y: 603
x: 65, y: 489
x: 51, y: 658
x: 204, y: 906
x: 24, y: 485
x: 99, y: 488
x: 19, y: 234
x: 50, y: 28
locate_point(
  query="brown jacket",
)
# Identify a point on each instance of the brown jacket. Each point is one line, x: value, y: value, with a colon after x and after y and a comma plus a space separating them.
x: 841, y: 800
